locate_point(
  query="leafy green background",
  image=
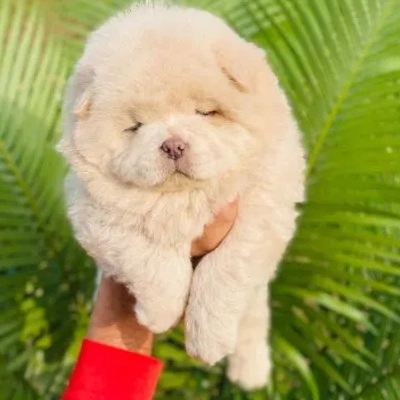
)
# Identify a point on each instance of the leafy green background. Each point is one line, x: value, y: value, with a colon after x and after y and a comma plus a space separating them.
x: 335, y: 303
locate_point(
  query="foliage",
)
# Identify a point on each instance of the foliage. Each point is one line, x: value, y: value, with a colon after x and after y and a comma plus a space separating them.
x: 335, y: 303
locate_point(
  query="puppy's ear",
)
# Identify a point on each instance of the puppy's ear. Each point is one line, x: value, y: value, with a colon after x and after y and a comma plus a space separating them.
x: 82, y: 90
x: 82, y: 106
x: 243, y: 64
x: 77, y: 102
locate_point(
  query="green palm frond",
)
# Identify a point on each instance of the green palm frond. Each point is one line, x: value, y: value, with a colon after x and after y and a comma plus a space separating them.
x: 36, y: 245
x: 336, y: 317
x: 338, y: 61
x: 71, y: 21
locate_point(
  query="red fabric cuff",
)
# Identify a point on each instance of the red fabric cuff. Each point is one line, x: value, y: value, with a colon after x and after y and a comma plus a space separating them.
x: 108, y: 373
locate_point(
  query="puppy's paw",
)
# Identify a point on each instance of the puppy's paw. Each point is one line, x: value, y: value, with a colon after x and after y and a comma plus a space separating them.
x: 208, y: 345
x: 209, y: 337
x: 159, y: 317
x: 250, y: 366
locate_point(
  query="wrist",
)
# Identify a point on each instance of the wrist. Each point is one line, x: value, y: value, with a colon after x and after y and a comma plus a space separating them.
x: 127, y: 336
x: 113, y: 320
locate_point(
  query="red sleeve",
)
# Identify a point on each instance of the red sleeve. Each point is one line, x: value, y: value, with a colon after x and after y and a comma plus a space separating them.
x: 107, y: 373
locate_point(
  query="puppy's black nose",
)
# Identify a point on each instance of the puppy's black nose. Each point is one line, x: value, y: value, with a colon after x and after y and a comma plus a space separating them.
x: 174, y: 147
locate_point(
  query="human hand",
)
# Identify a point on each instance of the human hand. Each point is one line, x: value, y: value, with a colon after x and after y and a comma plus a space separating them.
x: 113, y: 322
x: 216, y: 232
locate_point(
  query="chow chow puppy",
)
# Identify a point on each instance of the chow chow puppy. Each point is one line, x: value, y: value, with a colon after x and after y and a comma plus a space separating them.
x: 169, y: 114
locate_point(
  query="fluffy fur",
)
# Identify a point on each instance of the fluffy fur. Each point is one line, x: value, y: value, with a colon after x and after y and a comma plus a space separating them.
x: 136, y: 211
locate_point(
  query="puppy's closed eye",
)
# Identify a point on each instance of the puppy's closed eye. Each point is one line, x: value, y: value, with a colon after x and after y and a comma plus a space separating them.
x: 207, y: 113
x: 134, y: 128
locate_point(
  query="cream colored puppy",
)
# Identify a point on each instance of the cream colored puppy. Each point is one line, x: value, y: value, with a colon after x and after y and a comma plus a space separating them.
x: 169, y: 114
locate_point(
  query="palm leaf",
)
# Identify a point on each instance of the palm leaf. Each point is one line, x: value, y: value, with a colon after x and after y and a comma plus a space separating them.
x: 36, y: 245
x: 331, y: 57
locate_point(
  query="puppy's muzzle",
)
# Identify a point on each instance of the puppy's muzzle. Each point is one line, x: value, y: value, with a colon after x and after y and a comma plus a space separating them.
x: 174, y: 148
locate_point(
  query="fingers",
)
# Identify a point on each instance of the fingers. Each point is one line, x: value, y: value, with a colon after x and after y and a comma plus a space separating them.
x: 215, y: 232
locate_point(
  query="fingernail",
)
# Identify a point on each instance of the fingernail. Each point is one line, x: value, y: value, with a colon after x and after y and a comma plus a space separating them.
x: 233, y: 199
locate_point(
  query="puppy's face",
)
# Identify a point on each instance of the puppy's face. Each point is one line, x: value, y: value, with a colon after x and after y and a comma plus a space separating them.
x: 172, y: 122
x: 169, y: 114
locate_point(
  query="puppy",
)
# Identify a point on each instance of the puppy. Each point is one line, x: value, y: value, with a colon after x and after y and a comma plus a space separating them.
x: 169, y: 114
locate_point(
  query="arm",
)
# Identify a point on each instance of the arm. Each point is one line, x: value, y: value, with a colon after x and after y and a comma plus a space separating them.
x: 117, y: 349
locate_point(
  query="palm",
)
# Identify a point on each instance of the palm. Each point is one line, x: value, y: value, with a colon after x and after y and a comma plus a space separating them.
x: 335, y: 332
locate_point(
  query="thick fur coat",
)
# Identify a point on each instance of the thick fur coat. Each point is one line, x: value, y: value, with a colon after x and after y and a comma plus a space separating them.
x: 137, y: 200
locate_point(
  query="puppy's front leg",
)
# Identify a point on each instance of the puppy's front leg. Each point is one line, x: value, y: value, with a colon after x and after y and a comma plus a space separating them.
x: 161, y: 289
x: 158, y: 277
x: 225, y: 279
